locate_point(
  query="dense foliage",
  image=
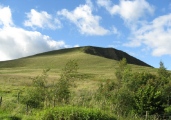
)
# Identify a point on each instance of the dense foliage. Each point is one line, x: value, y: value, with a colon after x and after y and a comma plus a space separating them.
x: 139, y: 92
x: 74, y: 113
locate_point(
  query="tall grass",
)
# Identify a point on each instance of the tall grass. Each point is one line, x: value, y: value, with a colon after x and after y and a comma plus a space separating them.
x: 74, y: 113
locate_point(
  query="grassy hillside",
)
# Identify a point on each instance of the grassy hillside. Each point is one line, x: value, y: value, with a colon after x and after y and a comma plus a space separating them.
x: 94, y: 68
x: 16, y: 75
x: 97, y: 65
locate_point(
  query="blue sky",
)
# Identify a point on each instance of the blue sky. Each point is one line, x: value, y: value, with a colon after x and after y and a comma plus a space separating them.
x: 139, y: 27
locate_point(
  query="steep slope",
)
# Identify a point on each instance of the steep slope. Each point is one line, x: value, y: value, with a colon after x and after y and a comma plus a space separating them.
x: 114, y: 54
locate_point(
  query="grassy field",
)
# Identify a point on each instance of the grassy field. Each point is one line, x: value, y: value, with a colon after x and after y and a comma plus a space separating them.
x: 16, y: 75
x: 18, y: 72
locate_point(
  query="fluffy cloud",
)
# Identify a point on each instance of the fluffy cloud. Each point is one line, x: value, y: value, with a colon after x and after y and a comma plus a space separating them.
x: 42, y: 20
x: 129, y: 10
x: 16, y: 42
x: 5, y: 16
x: 156, y: 35
x: 83, y: 18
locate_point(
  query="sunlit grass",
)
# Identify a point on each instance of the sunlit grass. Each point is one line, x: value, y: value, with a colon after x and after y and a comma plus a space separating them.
x: 16, y: 76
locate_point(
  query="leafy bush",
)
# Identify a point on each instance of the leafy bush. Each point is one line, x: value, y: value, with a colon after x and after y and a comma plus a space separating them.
x: 10, y: 118
x: 74, y: 113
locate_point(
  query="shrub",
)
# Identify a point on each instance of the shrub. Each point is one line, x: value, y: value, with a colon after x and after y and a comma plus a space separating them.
x: 10, y: 118
x: 74, y: 113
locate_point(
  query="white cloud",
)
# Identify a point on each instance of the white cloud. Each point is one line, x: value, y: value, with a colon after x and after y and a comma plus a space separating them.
x: 107, y: 4
x: 76, y: 46
x: 42, y: 20
x: 129, y: 10
x: 155, y: 35
x: 83, y: 18
x: 21, y: 43
x: 16, y: 42
x: 5, y: 16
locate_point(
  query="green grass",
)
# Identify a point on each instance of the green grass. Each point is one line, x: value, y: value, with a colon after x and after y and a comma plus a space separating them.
x: 74, y: 113
x: 93, y: 68
x: 90, y: 64
x: 16, y: 76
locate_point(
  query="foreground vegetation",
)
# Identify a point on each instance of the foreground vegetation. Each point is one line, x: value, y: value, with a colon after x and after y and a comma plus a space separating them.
x: 74, y: 113
x: 130, y: 94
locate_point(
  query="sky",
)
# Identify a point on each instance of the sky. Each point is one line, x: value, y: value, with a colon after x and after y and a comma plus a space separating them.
x: 142, y: 28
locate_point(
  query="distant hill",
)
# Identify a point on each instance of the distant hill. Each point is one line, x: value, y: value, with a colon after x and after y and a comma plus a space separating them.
x: 89, y: 57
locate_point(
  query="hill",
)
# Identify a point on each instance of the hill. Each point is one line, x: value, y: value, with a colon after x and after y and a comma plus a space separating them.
x: 96, y: 66
x: 58, y: 57
x: 93, y: 61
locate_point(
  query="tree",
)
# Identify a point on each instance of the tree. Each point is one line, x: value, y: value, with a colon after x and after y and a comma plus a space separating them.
x: 62, y: 88
x: 142, y: 91
x: 122, y: 72
x: 148, y: 98
x: 163, y: 73
x: 117, y: 92
x: 71, y: 67
x: 35, y: 97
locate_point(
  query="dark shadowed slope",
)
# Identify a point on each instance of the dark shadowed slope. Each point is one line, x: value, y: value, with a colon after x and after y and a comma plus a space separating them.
x: 114, y: 54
